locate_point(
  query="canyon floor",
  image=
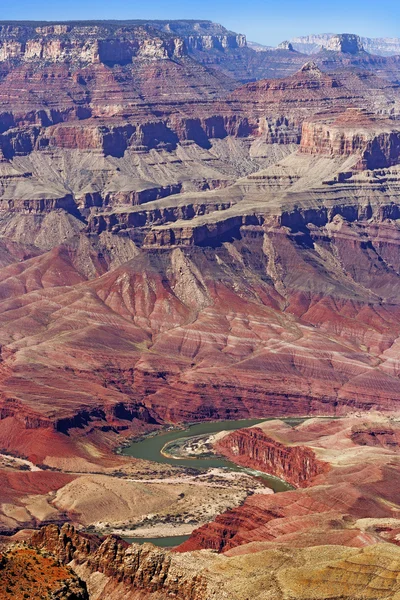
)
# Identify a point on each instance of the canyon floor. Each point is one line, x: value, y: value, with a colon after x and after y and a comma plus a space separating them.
x: 336, y: 535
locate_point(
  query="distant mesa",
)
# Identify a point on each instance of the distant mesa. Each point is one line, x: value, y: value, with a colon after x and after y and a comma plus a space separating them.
x: 312, y: 44
x: 348, y: 43
x: 286, y: 45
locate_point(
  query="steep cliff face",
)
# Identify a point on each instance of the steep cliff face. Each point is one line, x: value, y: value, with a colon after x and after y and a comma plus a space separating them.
x: 346, y: 43
x: 121, y: 220
x: 312, y: 44
x: 252, y: 448
x: 86, y: 44
x: 219, y: 41
x: 136, y: 571
x: 354, y: 133
x: 203, y: 35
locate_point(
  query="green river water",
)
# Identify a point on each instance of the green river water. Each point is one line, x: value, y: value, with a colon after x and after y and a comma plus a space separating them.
x: 161, y: 542
x: 150, y: 447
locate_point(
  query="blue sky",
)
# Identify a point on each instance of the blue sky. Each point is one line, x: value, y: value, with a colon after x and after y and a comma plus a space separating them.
x: 268, y: 21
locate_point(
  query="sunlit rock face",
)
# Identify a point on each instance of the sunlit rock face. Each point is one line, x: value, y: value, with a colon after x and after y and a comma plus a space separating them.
x: 346, y: 42
x: 86, y: 44
x: 221, y: 231
x: 176, y: 246
x: 311, y: 44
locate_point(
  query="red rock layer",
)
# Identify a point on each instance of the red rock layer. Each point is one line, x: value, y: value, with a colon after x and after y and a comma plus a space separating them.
x: 287, y: 334
x: 359, y: 485
x: 377, y: 436
x: 252, y: 448
x: 354, y: 132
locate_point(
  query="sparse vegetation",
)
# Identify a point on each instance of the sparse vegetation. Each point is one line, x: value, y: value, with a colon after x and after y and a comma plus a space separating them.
x: 28, y: 574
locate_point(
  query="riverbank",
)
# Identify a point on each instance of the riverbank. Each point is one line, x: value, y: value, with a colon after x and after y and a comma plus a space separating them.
x: 192, y: 448
x: 174, y: 505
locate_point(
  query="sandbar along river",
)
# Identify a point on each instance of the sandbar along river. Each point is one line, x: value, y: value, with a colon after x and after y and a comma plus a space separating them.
x: 151, y: 448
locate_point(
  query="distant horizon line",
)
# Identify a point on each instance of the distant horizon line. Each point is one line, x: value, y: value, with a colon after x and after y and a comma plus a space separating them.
x: 132, y: 21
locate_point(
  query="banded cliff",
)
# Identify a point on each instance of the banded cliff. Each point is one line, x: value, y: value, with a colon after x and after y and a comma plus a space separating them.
x: 132, y: 570
x: 354, y: 132
x: 235, y: 577
x: 86, y: 43
x: 253, y: 448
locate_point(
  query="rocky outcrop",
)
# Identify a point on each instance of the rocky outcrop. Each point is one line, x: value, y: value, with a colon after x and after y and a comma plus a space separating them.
x: 86, y: 44
x: 252, y: 448
x: 131, y: 198
x: 286, y: 45
x: 220, y: 42
x: 204, y: 234
x: 377, y: 436
x: 377, y: 142
x: 41, y: 205
x: 46, y: 579
x: 346, y: 42
x: 133, y: 568
x: 202, y: 35
x: 121, y: 220
x: 312, y: 44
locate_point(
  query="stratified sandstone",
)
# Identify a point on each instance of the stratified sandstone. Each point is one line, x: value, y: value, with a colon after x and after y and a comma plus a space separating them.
x: 135, y: 573
x: 354, y: 132
x: 252, y: 448
x: 175, y: 247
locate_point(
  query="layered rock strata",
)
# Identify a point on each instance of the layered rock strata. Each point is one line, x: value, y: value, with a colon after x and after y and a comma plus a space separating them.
x: 354, y: 132
x: 136, y: 571
x: 348, y: 503
x: 252, y: 448
x: 86, y: 43
x: 379, y: 46
x: 171, y: 251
